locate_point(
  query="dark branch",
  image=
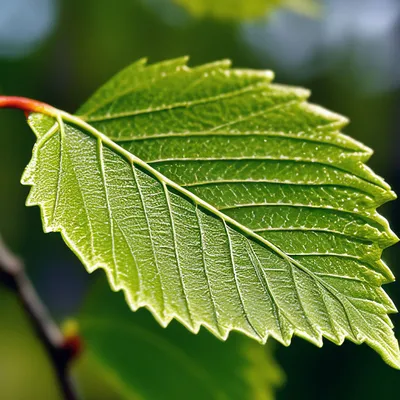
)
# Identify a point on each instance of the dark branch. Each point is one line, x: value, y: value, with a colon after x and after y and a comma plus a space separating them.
x: 12, y: 274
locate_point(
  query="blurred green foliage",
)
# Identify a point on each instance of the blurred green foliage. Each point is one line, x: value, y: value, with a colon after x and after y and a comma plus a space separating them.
x: 143, y: 360
x: 24, y: 368
x: 91, y: 41
x: 241, y: 10
x: 229, y: 9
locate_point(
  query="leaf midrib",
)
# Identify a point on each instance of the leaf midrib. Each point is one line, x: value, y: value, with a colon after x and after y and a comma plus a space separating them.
x: 129, y: 156
x: 163, y: 179
x: 226, y: 219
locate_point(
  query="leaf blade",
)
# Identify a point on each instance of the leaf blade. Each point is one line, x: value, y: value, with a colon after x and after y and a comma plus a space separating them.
x: 195, y: 240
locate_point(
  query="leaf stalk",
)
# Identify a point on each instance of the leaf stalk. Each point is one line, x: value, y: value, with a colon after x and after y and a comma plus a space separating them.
x: 26, y: 105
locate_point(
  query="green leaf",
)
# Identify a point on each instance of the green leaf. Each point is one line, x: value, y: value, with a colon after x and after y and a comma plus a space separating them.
x: 310, y: 8
x: 149, y: 362
x: 245, y: 9
x: 214, y: 197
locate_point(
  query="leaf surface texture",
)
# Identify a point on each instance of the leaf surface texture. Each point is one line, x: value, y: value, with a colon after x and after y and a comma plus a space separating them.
x: 215, y: 197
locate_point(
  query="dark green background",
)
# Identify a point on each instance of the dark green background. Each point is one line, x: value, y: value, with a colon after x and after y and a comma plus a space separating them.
x: 92, y: 40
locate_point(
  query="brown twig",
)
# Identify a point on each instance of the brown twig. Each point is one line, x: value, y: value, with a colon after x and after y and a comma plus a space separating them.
x: 12, y: 274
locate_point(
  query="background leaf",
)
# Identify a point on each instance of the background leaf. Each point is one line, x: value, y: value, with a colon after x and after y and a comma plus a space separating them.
x: 149, y: 362
x: 23, y: 357
x: 244, y: 9
x: 238, y: 218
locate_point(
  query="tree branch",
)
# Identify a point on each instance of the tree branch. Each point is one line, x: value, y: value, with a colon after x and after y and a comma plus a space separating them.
x: 12, y: 274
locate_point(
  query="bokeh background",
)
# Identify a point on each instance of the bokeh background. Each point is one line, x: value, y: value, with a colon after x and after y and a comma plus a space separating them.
x: 60, y: 51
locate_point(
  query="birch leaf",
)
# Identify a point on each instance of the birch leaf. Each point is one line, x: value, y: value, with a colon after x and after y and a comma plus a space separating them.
x: 215, y: 197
